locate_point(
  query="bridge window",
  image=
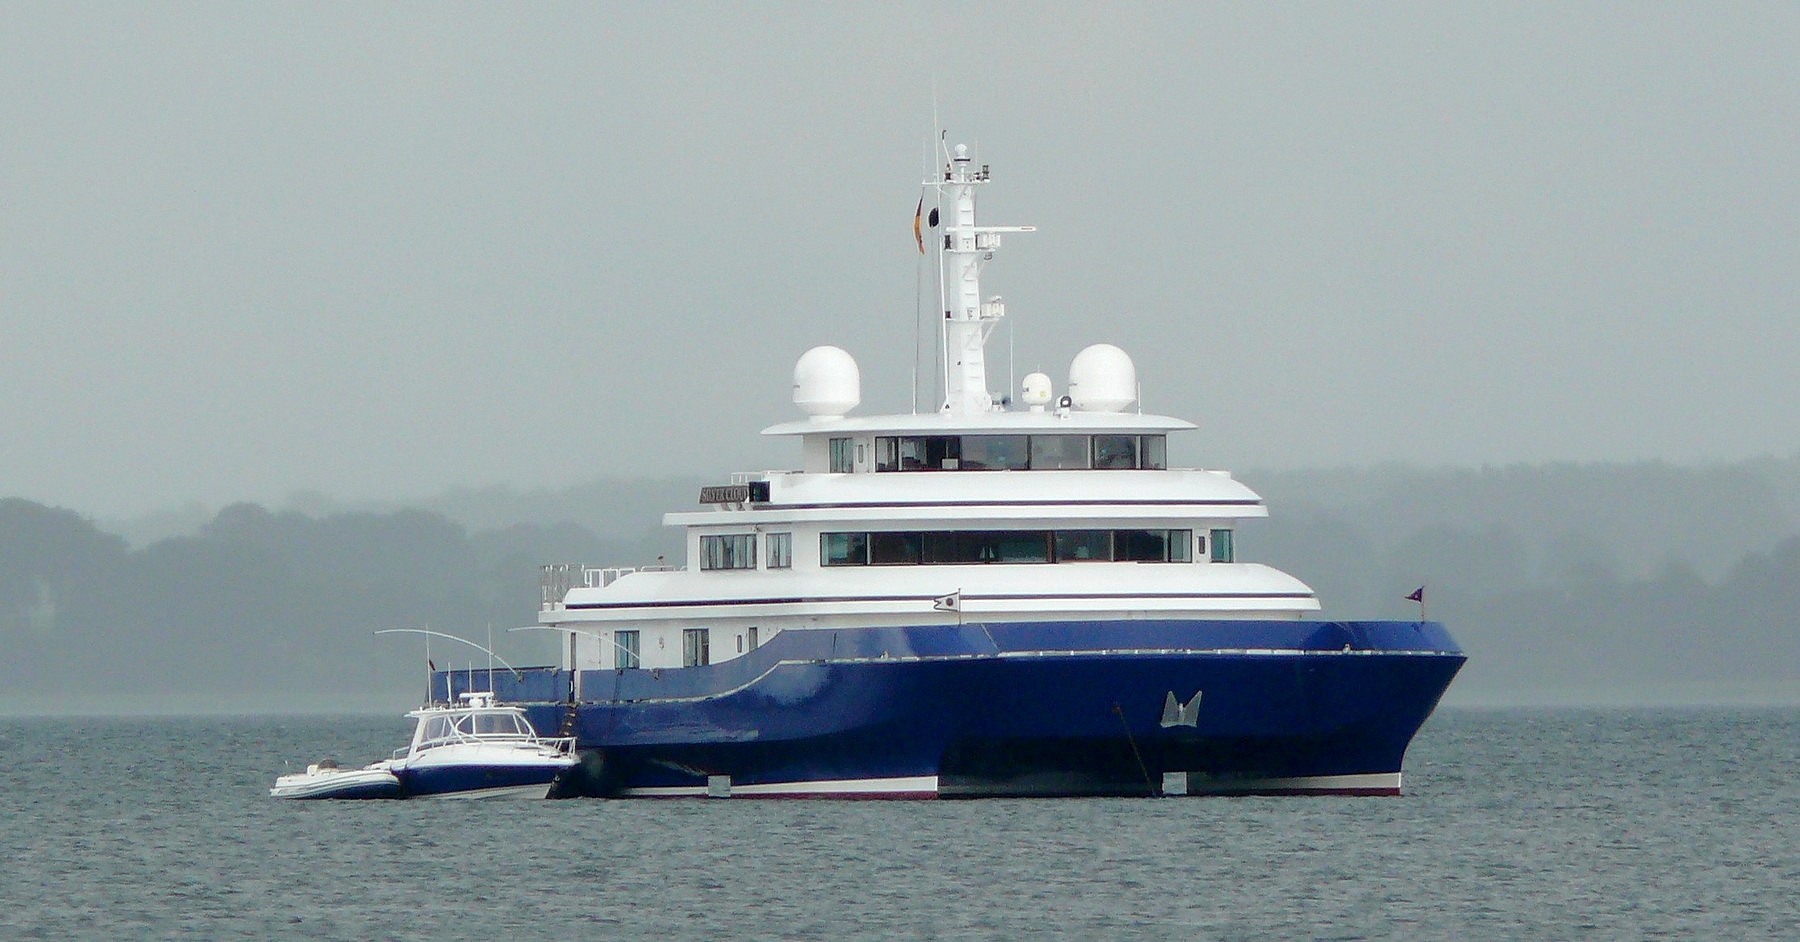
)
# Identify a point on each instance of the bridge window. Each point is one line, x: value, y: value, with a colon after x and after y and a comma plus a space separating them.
x: 1013, y: 452
x: 1155, y: 454
x: 1115, y: 451
x: 1058, y: 452
x: 728, y: 551
x: 918, y: 453
x: 996, y: 453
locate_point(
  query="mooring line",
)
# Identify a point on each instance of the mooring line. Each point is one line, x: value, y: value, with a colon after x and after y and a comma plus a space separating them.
x: 1151, y: 789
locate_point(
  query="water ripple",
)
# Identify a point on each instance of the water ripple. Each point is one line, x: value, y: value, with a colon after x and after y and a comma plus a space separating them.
x: 1519, y: 825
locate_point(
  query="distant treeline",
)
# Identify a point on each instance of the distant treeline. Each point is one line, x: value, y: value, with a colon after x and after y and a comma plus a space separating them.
x: 258, y: 611
x: 1644, y: 583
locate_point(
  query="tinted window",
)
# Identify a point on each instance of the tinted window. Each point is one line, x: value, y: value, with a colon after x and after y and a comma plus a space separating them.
x: 1115, y: 451
x: 1081, y: 546
x: 889, y: 549
x: 918, y: 453
x: 1221, y: 546
x: 844, y: 549
x: 995, y: 453
x: 939, y: 547
x: 1009, y: 546
x: 1053, y: 452
x: 1156, y: 452
x: 1143, y: 546
x: 1181, y: 546
x: 887, y: 454
x: 949, y: 547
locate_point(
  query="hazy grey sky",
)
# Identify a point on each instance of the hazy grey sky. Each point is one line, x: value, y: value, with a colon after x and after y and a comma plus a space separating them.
x: 379, y: 251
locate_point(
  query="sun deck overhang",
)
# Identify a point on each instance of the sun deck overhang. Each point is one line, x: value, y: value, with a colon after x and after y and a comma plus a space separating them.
x: 998, y: 423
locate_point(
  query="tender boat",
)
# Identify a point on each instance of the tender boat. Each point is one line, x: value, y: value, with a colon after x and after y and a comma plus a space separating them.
x: 475, y: 748
x: 478, y: 748
x: 324, y: 779
x: 995, y: 595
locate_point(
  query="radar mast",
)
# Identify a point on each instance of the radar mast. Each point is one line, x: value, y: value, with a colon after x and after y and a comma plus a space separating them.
x: 969, y: 319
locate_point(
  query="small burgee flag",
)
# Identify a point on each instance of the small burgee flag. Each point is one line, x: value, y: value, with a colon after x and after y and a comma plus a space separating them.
x: 918, y: 217
x: 948, y: 603
x: 1418, y: 595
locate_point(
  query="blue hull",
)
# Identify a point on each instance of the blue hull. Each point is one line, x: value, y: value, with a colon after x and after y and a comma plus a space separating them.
x: 461, y: 780
x: 1080, y: 708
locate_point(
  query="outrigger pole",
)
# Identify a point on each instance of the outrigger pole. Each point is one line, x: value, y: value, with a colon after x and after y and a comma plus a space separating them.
x: 438, y: 634
x: 572, y: 631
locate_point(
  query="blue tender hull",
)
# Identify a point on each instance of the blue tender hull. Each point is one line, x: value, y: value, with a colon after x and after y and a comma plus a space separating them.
x: 1076, y: 708
x: 475, y: 780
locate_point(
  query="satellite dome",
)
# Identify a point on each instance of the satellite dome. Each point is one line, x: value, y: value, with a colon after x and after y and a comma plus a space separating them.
x: 1036, y: 389
x: 1102, y: 379
x: 827, y: 383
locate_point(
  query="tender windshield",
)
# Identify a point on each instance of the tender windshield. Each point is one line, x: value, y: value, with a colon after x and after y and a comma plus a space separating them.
x: 485, y: 725
x: 491, y: 724
x: 432, y: 729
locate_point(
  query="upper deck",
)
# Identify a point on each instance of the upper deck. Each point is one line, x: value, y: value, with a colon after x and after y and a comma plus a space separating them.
x: 978, y: 495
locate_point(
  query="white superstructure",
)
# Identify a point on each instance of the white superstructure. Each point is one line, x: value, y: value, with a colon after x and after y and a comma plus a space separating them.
x: 1060, y: 508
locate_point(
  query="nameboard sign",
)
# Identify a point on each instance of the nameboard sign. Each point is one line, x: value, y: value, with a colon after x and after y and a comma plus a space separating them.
x: 725, y: 494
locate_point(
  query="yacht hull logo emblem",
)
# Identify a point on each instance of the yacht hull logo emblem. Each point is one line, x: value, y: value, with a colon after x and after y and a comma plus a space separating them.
x: 1176, y: 713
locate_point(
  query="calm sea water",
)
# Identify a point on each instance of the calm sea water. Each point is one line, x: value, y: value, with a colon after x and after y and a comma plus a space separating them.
x: 1530, y: 824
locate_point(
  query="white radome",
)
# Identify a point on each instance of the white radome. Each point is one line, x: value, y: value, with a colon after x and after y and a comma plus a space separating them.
x: 1036, y: 389
x: 827, y: 383
x: 1102, y: 378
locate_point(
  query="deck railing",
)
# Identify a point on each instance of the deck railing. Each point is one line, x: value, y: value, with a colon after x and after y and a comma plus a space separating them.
x: 557, y: 579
